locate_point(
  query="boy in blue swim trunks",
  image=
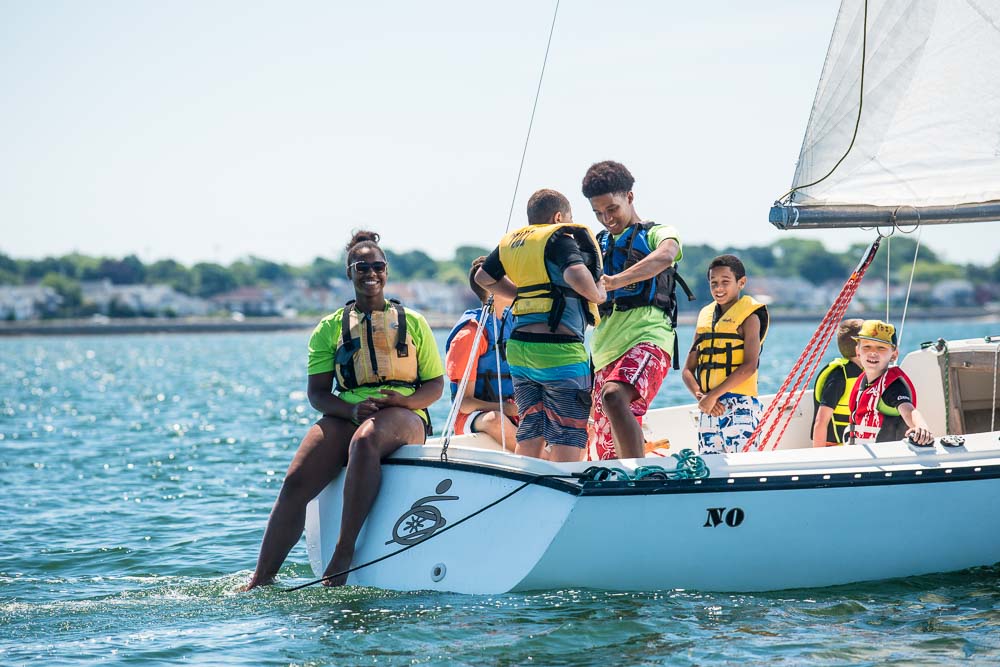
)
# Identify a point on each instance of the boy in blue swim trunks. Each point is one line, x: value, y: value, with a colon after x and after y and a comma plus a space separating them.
x: 551, y: 269
x: 721, y: 368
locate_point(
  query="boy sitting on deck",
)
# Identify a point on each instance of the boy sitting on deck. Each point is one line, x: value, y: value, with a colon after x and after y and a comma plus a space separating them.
x: 489, y: 385
x: 721, y: 368
x: 883, y: 402
x: 832, y: 394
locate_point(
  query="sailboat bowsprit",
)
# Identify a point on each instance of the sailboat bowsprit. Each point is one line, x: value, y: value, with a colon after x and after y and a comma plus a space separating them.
x: 904, y: 130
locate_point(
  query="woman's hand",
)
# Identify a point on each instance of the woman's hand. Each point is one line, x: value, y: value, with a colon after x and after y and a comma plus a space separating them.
x: 390, y: 398
x: 363, y: 410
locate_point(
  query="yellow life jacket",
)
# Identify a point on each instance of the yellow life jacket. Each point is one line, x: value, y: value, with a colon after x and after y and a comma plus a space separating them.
x: 720, y: 345
x: 841, y: 418
x: 522, y: 253
x: 375, y: 349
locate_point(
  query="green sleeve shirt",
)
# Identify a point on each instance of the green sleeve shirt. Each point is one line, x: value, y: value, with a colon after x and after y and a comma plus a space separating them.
x: 326, y: 336
x: 622, y: 330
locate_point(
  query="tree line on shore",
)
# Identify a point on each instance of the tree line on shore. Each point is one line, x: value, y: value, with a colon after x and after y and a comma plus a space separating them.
x: 791, y: 257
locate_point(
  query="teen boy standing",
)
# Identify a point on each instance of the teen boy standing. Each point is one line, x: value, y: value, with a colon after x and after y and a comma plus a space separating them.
x: 633, y: 344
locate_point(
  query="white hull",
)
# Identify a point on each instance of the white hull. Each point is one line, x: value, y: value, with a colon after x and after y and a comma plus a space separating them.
x: 794, y: 517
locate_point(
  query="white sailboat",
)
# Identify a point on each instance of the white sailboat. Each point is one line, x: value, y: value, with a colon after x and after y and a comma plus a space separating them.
x: 926, y: 150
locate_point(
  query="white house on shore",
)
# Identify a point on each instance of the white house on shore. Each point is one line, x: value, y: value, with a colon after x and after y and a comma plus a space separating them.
x: 155, y: 300
x: 28, y: 302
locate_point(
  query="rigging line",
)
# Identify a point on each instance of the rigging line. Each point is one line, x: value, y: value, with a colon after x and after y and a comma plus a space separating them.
x: 531, y: 122
x: 857, y: 122
x: 449, y: 425
x: 906, y: 303
x: 888, y: 257
x: 497, y: 342
x: 993, y: 413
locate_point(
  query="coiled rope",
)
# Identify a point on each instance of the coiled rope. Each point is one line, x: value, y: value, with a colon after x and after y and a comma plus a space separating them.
x: 689, y: 466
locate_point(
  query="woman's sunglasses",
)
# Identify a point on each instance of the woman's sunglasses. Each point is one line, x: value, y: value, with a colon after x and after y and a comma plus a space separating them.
x: 365, y: 267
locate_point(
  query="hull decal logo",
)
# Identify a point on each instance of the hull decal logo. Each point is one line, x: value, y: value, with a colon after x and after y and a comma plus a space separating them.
x: 718, y: 516
x: 422, y: 519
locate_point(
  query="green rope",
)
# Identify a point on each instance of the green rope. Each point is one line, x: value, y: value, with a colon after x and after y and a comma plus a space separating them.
x: 689, y: 466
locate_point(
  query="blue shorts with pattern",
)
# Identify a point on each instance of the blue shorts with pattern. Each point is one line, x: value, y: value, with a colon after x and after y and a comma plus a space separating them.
x: 730, y: 432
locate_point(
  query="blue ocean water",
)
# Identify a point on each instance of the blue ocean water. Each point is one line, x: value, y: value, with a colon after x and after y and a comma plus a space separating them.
x: 137, y: 472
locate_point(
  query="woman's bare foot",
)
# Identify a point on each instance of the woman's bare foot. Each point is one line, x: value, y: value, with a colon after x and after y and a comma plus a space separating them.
x: 341, y: 561
x: 256, y: 581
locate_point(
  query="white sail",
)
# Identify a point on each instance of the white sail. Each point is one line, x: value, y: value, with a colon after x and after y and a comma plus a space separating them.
x: 929, y: 131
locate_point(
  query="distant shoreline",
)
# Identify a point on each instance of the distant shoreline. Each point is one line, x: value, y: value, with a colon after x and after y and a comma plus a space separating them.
x: 139, y: 325
x: 71, y: 327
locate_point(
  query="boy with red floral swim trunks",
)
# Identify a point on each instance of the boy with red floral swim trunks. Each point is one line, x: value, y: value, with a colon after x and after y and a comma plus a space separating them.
x: 633, y: 344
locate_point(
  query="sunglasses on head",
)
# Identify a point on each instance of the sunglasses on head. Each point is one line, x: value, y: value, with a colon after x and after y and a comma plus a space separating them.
x: 365, y: 267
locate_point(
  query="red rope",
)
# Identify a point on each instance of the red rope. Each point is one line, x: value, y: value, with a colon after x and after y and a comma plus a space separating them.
x: 782, y: 408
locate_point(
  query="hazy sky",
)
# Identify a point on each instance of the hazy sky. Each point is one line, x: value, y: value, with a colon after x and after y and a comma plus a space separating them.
x: 212, y: 130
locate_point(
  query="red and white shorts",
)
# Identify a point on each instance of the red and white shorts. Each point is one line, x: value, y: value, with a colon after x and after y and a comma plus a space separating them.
x: 644, y: 367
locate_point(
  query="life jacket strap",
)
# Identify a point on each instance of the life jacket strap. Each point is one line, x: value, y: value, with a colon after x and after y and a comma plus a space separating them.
x: 557, y: 293
x: 537, y: 337
x: 402, y: 349
x: 684, y: 286
x: 711, y: 349
x: 718, y: 335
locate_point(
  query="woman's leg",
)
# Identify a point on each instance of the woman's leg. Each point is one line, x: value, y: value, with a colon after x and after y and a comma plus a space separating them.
x: 379, y: 436
x: 319, y: 458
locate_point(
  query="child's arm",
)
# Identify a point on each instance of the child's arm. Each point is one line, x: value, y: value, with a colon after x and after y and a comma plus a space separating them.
x: 919, y: 431
x: 649, y: 266
x: 823, y: 416
x: 470, y: 403
x: 751, y: 355
x: 504, y: 287
x: 687, y: 375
